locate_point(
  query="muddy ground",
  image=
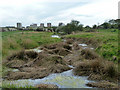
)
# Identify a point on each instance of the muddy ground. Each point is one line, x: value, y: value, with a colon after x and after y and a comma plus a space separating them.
x: 55, y: 58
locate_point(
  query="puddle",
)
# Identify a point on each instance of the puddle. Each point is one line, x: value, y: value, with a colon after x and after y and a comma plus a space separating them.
x: 64, y: 40
x: 37, y: 50
x: 15, y: 70
x: 91, y: 48
x: 84, y: 46
x: 63, y: 80
x: 71, y: 45
x: 55, y: 36
x: 71, y: 66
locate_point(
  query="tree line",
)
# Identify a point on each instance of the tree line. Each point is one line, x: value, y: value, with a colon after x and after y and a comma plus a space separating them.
x: 75, y: 26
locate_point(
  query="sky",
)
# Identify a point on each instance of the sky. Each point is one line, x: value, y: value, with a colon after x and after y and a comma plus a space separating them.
x: 88, y: 12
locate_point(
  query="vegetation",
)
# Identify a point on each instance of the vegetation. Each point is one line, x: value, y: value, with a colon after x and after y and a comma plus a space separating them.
x: 106, y: 70
x: 73, y: 26
x: 8, y: 84
x: 105, y: 40
x: 15, y: 41
x: 102, y: 37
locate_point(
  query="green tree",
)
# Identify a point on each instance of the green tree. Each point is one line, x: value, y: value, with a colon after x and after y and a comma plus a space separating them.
x: 73, y: 26
x: 87, y: 27
x: 94, y: 26
x: 106, y: 25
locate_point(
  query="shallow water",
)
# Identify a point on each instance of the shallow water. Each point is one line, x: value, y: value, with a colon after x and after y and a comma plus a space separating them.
x: 37, y: 50
x: 63, y: 80
x: 15, y: 70
x: 84, y: 46
x: 55, y: 36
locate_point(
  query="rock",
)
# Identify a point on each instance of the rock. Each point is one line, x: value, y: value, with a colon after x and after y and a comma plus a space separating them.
x: 46, y: 86
x: 102, y: 84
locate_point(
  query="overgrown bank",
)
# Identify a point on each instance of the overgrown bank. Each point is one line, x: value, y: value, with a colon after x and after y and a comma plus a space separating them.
x: 55, y: 58
x: 105, y: 41
x: 15, y: 41
x: 60, y: 55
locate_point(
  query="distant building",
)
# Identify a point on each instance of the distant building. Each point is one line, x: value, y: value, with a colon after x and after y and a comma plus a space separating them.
x: 33, y: 26
x: 42, y: 25
x: 49, y: 25
x: 7, y: 28
x: 19, y: 25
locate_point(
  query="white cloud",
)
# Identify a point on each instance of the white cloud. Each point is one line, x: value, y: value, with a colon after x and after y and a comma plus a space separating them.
x: 88, y: 12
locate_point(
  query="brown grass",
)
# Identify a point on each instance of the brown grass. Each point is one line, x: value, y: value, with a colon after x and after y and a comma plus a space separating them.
x: 101, y: 67
x: 89, y: 41
x: 89, y: 54
x: 22, y: 55
x: 28, y: 44
x: 104, y: 84
x: 69, y: 41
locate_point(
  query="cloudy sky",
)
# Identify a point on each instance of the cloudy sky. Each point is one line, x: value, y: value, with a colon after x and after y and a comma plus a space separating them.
x: 88, y: 12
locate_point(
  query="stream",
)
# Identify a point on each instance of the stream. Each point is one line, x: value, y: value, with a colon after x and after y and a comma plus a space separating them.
x: 65, y: 79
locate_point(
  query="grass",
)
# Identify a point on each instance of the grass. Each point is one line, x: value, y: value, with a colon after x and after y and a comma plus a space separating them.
x: 106, y: 69
x: 107, y: 42
x: 15, y: 41
x: 9, y: 84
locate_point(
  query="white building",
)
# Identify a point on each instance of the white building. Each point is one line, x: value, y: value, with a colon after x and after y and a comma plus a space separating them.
x: 19, y: 25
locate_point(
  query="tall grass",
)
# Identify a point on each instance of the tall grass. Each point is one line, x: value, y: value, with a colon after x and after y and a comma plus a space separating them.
x: 28, y: 44
x: 107, y: 42
x: 104, y: 68
x: 16, y: 41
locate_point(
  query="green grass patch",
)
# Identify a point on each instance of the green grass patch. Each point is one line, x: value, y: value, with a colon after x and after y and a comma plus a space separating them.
x: 15, y: 41
x: 107, y: 42
x: 10, y: 84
